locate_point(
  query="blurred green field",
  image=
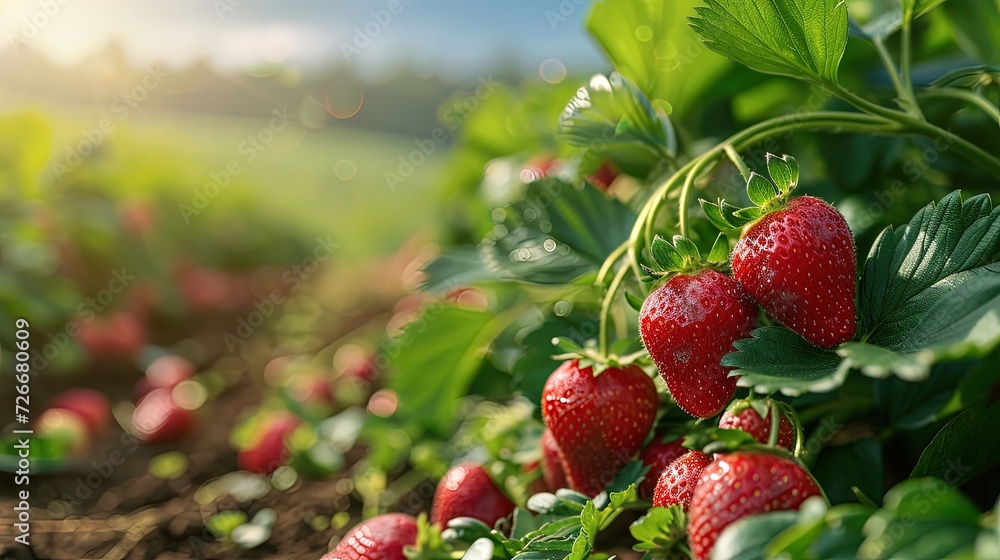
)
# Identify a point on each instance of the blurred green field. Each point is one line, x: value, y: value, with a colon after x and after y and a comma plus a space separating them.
x: 325, y: 181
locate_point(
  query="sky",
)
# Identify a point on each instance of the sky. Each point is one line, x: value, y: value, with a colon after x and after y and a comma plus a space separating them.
x: 443, y: 36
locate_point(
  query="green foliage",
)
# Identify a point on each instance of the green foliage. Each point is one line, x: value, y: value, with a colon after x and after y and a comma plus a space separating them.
x: 661, y: 534
x: 545, y: 238
x: 921, y: 517
x: 746, y: 538
x: 651, y: 44
x: 929, y: 292
x: 611, y: 118
x: 788, y: 37
x: 957, y: 453
x: 776, y: 359
x: 437, y: 356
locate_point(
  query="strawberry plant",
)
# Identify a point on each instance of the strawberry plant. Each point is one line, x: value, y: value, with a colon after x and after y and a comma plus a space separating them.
x: 841, y: 330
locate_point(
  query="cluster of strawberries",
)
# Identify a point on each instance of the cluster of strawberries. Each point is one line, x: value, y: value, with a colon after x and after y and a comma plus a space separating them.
x: 796, y: 259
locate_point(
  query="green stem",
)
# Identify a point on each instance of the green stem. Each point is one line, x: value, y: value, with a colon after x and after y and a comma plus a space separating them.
x: 974, y: 99
x: 734, y: 156
x: 696, y: 170
x: 890, y: 67
x: 602, y: 274
x: 971, y: 152
x: 780, y: 125
x: 606, y: 305
x: 904, y: 63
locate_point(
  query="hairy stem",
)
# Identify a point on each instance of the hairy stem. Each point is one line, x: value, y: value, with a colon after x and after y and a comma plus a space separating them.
x: 737, y: 161
x: 606, y: 306
x: 602, y: 274
x: 696, y: 170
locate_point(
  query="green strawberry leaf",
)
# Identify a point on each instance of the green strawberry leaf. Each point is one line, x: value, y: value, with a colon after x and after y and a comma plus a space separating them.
x: 833, y: 533
x: 651, y: 44
x: 635, y: 302
x: 776, y: 359
x: 797, y: 38
x: 717, y: 440
x: 957, y: 453
x: 843, y: 469
x: 745, y: 538
x: 976, y: 28
x: 912, y: 268
x: 889, y: 21
x: 908, y: 406
x: 546, y: 238
x: 921, y: 518
x: 438, y: 355
x: 875, y: 361
x: 610, y: 118
x: 661, y: 533
x: 721, y: 219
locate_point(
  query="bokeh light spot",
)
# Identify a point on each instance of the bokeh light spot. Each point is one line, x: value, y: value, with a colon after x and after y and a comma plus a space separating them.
x: 345, y: 169
x: 644, y: 33
x: 552, y: 71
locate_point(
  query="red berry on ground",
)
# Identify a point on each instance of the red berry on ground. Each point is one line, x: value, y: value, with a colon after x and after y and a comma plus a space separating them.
x: 379, y: 538
x: 598, y: 422
x: 92, y: 406
x: 739, y: 484
x: 677, y: 481
x: 158, y: 419
x: 270, y: 450
x: 657, y: 455
x: 799, y: 264
x: 467, y: 490
x: 687, y: 326
x: 166, y: 372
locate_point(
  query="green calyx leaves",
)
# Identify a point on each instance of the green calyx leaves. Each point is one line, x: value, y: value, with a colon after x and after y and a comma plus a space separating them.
x: 682, y: 255
x: 767, y: 195
x: 591, y: 357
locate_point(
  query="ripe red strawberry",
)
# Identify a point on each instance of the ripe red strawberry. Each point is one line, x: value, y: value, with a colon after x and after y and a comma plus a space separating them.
x: 379, y: 538
x: 598, y: 422
x: 687, y: 326
x: 742, y: 415
x: 677, y: 481
x: 799, y: 263
x: 657, y: 455
x: 739, y: 484
x: 795, y: 256
x: 552, y: 468
x: 467, y: 490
